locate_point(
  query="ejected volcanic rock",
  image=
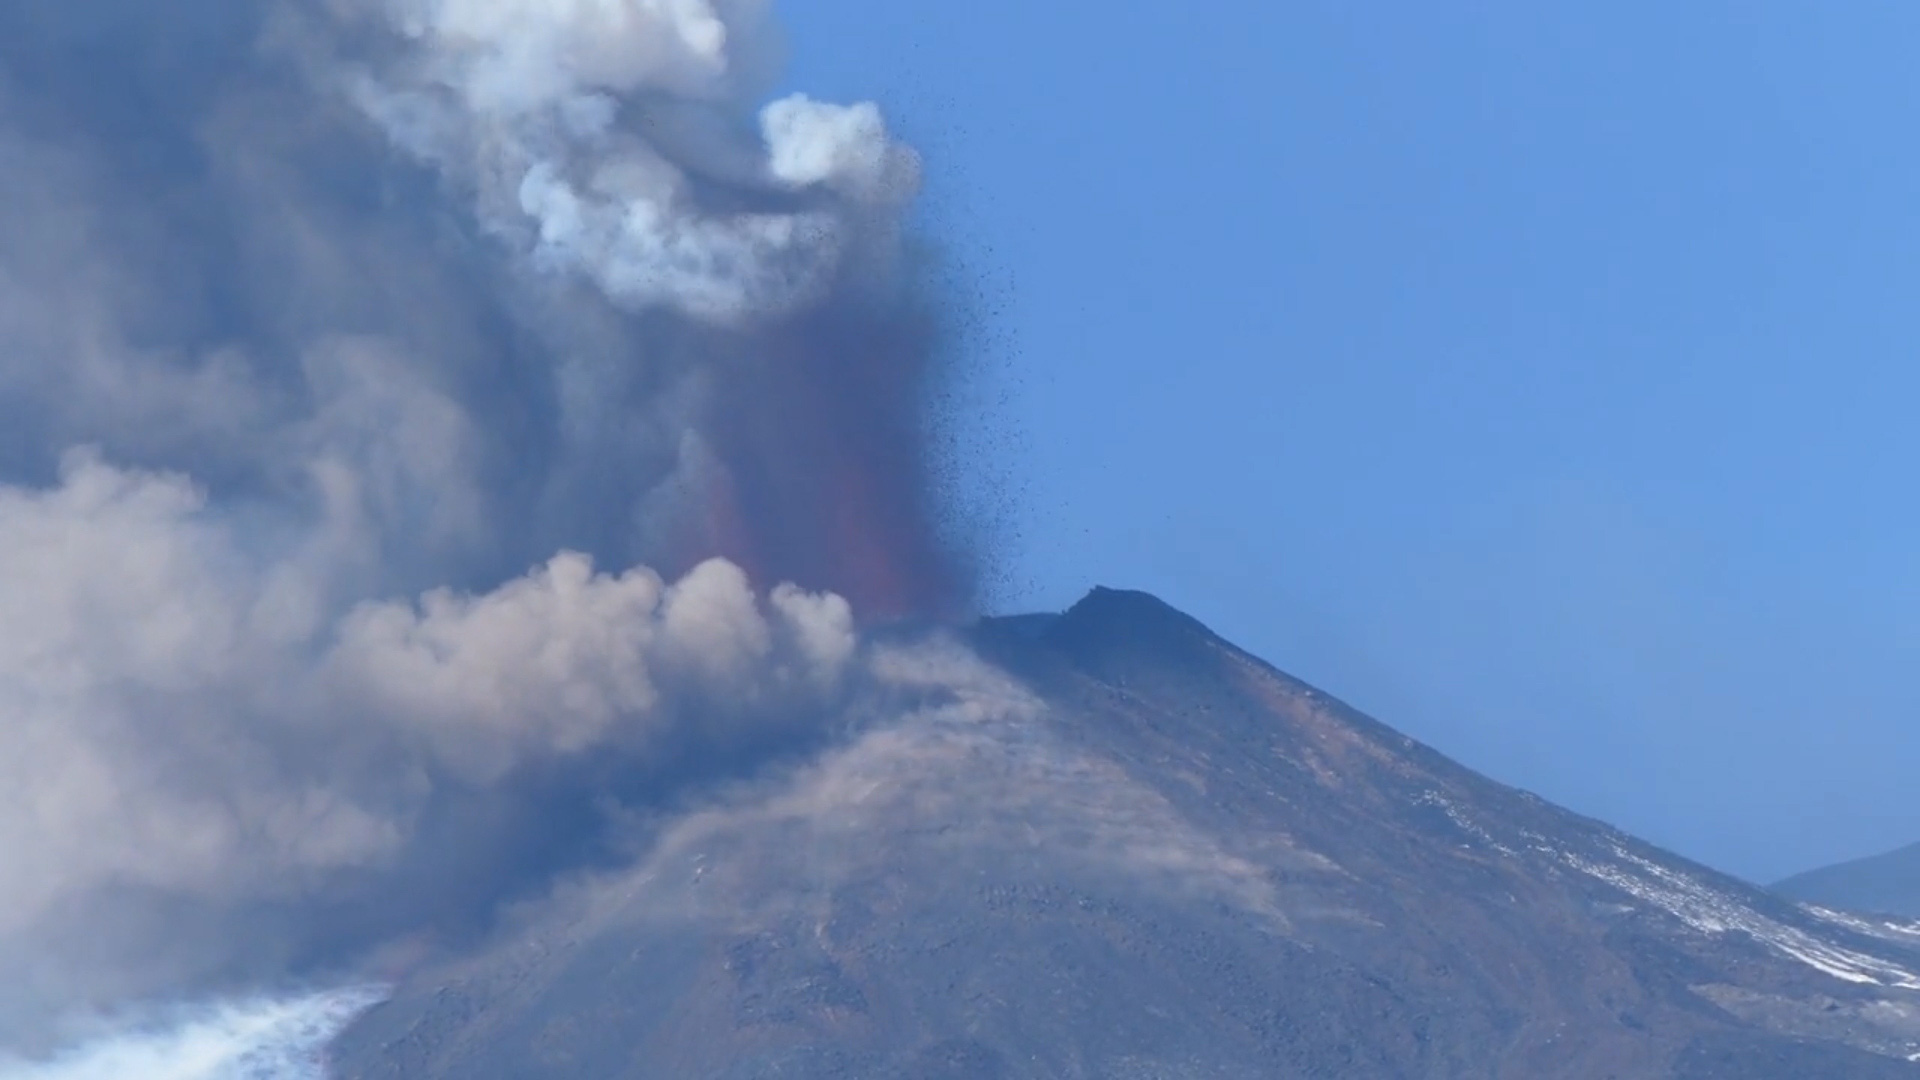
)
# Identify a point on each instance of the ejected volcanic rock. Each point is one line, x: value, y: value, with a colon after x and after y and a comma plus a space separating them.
x: 1109, y: 844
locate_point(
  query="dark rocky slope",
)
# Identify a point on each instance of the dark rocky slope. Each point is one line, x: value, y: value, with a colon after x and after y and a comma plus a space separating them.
x: 1123, y: 848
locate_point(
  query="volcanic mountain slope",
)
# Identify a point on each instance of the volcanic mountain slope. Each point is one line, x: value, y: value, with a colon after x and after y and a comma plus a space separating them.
x: 1887, y: 883
x: 1119, y: 847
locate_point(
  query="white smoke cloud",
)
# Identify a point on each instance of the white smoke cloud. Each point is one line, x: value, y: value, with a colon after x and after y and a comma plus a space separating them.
x: 841, y: 146
x: 583, y: 129
x: 516, y: 56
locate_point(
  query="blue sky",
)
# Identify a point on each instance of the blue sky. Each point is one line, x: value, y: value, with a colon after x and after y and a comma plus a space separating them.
x: 1537, y: 377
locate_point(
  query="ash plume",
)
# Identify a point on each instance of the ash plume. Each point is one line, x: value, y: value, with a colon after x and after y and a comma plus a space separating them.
x: 421, y: 422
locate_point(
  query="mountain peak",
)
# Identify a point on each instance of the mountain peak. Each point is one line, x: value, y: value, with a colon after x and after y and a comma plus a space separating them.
x: 1105, y: 602
x: 1125, y: 620
x: 1110, y: 631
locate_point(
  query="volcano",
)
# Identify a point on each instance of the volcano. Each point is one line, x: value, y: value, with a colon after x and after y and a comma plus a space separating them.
x: 1107, y: 843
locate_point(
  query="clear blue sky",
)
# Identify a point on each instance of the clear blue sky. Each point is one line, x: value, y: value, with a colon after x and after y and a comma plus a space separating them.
x: 1540, y: 378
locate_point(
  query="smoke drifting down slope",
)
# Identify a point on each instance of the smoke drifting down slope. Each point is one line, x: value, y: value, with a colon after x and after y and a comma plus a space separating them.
x: 323, y: 322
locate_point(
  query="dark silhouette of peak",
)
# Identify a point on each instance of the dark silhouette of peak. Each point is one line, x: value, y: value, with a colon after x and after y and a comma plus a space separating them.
x: 1134, y: 613
x: 1121, y: 626
x: 1125, y: 848
x: 1888, y: 883
x: 1111, y: 623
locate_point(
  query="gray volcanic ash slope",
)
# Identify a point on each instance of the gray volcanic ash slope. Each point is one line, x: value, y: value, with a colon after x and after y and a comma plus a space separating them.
x: 1120, y: 847
x: 1885, y: 883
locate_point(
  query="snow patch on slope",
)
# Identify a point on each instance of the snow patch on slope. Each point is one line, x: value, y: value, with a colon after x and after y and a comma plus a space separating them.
x: 258, y: 1040
x: 1894, y: 930
x: 1462, y: 822
x: 1713, y: 912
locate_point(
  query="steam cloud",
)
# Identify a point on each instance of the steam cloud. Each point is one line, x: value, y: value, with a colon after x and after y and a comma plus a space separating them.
x: 522, y: 103
x: 357, y: 360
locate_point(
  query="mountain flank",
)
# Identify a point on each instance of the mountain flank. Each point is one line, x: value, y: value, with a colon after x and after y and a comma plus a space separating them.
x: 1107, y: 843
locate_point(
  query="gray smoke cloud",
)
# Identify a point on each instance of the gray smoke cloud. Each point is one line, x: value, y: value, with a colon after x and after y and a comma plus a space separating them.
x: 421, y: 422
x: 184, y: 723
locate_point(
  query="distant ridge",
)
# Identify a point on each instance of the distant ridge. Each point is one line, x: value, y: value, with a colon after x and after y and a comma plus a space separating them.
x: 1888, y: 884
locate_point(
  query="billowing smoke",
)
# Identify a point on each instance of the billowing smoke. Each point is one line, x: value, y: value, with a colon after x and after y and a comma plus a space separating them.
x: 602, y: 139
x: 423, y: 424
